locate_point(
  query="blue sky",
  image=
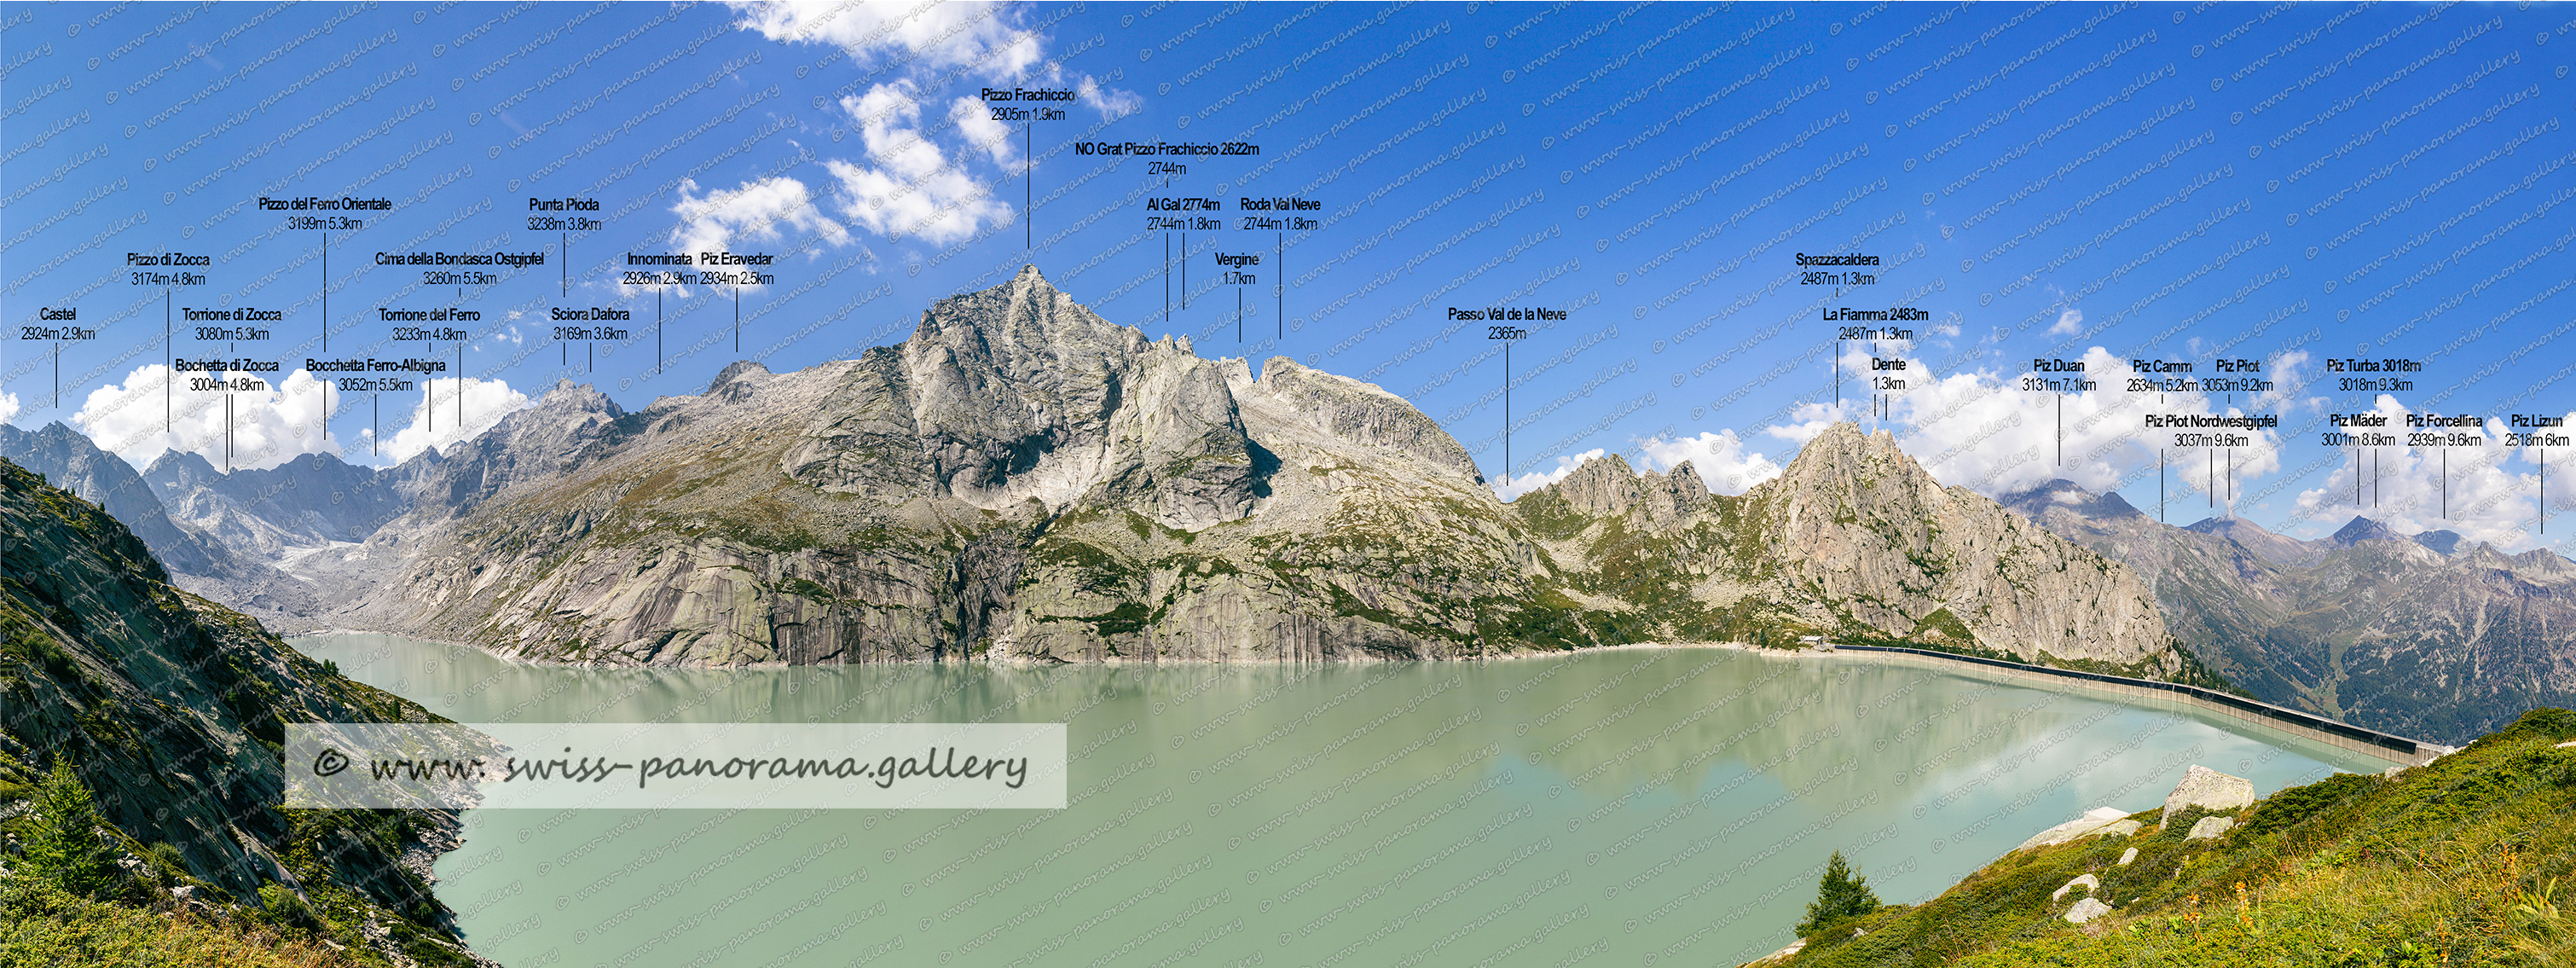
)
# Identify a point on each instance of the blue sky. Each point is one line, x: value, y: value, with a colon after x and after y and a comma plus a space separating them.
x: 2301, y: 186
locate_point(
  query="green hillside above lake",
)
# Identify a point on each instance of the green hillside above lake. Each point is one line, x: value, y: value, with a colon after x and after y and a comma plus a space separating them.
x: 2462, y: 861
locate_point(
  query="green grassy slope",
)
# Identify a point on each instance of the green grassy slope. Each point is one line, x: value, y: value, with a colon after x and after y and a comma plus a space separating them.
x: 2463, y: 861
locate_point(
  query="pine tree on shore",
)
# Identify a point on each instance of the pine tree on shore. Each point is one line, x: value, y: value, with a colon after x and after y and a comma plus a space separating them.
x: 1840, y: 894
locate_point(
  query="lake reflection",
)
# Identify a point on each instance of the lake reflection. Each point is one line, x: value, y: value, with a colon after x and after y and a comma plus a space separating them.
x: 1612, y: 806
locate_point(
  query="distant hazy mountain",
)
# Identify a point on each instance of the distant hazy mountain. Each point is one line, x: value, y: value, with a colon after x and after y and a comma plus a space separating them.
x: 309, y: 501
x: 2409, y: 633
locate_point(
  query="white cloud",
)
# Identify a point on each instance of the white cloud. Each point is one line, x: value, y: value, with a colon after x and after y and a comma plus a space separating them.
x: 2285, y: 373
x: 975, y: 120
x: 932, y: 36
x: 1513, y: 487
x: 1991, y: 433
x: 1720, y: 458
x: 2068, y: 323
x: 1111, y: 103
x: 914, y: 181
x: 2411, y: 489
x: 485, y: 403
x: 1811, y: 419
x: 8, y: 407
x: 261, y: 429
x: 912, y: 189
x: 2558, y: 460
x: 755, y: 211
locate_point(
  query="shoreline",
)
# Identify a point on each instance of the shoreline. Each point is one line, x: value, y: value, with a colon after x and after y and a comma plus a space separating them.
x: 2287, y: 721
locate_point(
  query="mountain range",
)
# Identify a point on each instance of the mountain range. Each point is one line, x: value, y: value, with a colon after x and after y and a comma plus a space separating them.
x: 1023, y: 480
x: 2421, y: 635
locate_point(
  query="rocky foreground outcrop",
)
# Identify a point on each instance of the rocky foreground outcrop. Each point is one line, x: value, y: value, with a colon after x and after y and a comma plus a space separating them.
x: 1022, y: 479
x: 171, y: 708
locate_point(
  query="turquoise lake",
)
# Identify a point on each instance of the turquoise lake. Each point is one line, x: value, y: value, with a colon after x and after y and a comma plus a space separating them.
x: 1615, y: 807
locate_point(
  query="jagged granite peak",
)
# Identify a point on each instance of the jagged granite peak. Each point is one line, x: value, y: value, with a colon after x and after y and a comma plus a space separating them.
x: 1854, y: 540
x: 1017, y: 394
x: 1019, y: 479
x: 540, y: 441
x: 1607, y: 486
x: 1873, y: 528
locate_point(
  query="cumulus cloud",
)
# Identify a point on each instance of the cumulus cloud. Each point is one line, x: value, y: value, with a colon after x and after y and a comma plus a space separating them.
x: 994, y: 138
x: 2068, y: 323
x: 260, y: 429
x: 8, y: 407
x: 2290, y: 374
x: 1512, y: 488
x: 1721, y: 459
x: 2474, y: 490
x: 1110, y: 103
x: 1810, y: 419
x: 1992, y: 433
x: 434, y: 418
x: 914, y: 180
x: 910, y: 189
x: 932, y: 36
x: 754, y: 211
x: 1988, y: 431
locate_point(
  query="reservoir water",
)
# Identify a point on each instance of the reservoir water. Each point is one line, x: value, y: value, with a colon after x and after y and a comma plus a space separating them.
x: 1615, y: 807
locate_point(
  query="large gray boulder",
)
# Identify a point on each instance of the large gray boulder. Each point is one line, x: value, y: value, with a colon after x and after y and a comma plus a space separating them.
x: 2208, y: 788
x: 2086, y: 910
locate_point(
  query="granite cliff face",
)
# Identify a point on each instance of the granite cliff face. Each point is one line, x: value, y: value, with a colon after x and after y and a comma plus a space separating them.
x: 1023, y: 480
x: 1855, y: 542
x: 1019, y: 479
x: 2412, y: 634
x: 171, y: 708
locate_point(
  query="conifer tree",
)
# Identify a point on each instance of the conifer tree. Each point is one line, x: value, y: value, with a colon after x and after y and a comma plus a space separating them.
x: 63, y: 844
x: 1839, y: 894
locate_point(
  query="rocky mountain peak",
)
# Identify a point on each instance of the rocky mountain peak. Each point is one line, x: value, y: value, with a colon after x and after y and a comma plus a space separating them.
x: 1362, y: 413
x: 2073, y: 498
x: 2444, y: 541
x: 2361, y: 529
x: 1855, y: 539
x: 1607, y: 487
x: 1847, y: 461
x: 2441, y: 542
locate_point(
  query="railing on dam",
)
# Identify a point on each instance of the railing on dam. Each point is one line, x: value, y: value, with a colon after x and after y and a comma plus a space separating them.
x: 2396, y: 749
